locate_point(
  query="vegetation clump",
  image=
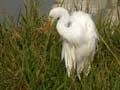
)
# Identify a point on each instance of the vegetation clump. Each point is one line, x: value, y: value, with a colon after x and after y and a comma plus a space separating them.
x: 30, y: 58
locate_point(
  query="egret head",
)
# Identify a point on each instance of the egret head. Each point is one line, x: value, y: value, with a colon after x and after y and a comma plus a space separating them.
x: 56, y: 13
x: 54, y: 16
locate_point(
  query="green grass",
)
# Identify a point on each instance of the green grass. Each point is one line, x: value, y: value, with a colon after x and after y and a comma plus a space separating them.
x: 30, y: 58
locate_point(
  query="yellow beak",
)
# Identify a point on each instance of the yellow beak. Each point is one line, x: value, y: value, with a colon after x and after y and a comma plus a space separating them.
x: 48, y: 25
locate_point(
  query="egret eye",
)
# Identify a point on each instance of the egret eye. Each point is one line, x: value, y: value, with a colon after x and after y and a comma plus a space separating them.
x: 58, y: 18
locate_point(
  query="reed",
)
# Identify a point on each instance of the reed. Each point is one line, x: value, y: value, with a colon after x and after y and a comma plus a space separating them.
x: 30, y: 58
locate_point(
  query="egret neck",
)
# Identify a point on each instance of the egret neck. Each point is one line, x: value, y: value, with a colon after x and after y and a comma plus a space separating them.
x: 63, y: 23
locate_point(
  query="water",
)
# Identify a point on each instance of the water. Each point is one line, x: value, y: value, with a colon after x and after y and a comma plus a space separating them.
x: 46, y: 5
x: 12, y: 7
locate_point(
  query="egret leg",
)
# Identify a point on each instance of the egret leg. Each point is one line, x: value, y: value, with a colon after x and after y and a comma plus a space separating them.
x: 87, y: 71
x: 88, y: 64
x: 68, y: 72
x: 80, y: 66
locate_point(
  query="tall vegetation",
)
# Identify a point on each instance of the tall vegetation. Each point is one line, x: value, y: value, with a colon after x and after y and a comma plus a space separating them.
x: 30, y: 58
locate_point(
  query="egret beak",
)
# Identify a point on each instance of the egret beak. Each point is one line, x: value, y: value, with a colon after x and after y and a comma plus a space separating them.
x: 48, y: 25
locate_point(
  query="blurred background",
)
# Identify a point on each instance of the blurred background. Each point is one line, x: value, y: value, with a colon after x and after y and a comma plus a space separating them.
x: 12, y: 7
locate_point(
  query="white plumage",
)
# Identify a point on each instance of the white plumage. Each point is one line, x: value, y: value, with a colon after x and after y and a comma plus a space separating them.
x: 79, y: 36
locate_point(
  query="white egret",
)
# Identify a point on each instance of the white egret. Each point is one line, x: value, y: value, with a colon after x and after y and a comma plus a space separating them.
x: 79, y: 39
